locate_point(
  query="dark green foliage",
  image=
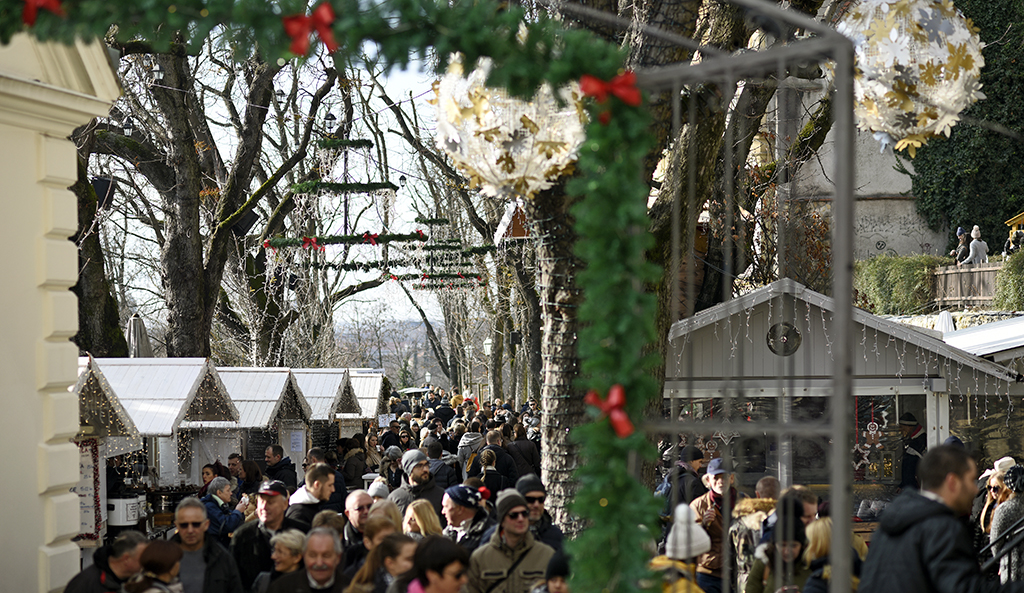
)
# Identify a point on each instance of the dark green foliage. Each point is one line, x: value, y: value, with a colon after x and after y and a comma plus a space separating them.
x: 1010, y: 284
x: 309, y: 187
x: 976, y: 177
x: 897, y: 285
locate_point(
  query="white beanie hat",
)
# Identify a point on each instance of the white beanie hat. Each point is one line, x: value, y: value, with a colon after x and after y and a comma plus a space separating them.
x: 686, y: 539
x: 976, y: 232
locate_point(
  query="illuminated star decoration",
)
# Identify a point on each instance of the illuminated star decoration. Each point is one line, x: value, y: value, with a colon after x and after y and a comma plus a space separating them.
x: 298, y: 27
x: 612, y: 408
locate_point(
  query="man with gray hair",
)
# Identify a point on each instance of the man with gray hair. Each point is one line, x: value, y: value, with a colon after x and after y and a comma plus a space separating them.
x: 112, y: 565
x: 322, y: 558
x: 206, y: 567
x: 224, y: 519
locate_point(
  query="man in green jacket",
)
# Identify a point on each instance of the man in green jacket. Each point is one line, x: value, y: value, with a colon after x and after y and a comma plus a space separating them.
x: 512, y: 561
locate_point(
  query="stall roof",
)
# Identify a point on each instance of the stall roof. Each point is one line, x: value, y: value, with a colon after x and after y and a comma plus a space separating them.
x: 260, y: 392
x: 1001, y: 340
x: 916, y: 355
x: 100, y: 406
x: 369, y: 386
x: 161, y: 393
x: 328, y: 392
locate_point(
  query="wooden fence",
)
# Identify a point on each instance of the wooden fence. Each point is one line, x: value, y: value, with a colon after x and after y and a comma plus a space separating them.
x: 972, y: 285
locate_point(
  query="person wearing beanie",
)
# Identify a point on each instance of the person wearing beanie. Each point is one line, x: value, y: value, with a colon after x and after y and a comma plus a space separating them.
x: 378, y: 490
x: 468, y: 519
x: 541, y: 524
x: 392, y: 467
x: 788, y: 542
x: 685, y: 542
x: 1005, y: 519
x: 978, y: 249
x: 512, y: 560
x: 915, y: 444
x: 556, y: 579
x: 683, y: 478
x: 962, y: 250
x: 417, y: 484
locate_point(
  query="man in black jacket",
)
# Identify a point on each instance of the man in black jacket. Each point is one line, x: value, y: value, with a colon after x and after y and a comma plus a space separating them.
x: 250, y: 545
x: 281, y: 468
x: 206, y: 567
x: 111, y: 566
x: 308, y: 500
x: 468, y: 521
x: 920, y: 544
x: 504, y: 463
x: 915, y: 444
x: 417, y: 484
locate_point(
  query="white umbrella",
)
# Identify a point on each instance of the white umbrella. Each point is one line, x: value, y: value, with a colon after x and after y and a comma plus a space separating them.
x: 138, y: 339
x: 413, y: 390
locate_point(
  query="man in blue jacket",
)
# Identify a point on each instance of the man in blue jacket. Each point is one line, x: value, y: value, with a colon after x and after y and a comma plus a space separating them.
x: 920, y: 544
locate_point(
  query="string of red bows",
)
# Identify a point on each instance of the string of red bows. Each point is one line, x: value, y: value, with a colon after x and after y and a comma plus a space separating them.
x: 308, y: 242
x: 31, y: 10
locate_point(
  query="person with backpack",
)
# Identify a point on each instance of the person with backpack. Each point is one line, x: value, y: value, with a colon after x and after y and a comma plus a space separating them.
x: 683, y: 477
x: 469, y: 446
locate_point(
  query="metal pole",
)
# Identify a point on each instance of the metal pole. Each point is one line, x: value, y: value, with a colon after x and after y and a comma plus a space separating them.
x: 842, y: 283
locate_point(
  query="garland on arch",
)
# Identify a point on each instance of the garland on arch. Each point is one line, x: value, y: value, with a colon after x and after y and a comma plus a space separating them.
x: 345, y: 143
x: 308, y: 187
x: 318, y: 241
x: 617, y: 316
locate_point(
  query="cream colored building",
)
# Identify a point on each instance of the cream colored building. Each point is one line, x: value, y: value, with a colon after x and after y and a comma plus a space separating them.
x: 46, y: 90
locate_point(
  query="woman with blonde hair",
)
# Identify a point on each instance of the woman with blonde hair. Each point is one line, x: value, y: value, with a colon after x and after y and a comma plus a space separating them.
x: 997, y: 493
x: 421, y: 520
x: 1005, y: 518
x: 287, y: 556
x: 392, y: 557
x: 816, y: 556
x: 387, y: 508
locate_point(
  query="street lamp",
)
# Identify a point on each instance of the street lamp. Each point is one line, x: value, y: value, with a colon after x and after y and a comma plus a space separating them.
x: 427, y: 377
x: 469, y: 364
x: 488, y: 343
x: 487, y: 346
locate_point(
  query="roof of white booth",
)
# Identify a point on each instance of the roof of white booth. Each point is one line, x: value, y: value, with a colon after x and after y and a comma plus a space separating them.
x: 260, y: 392
x: 160, y: 394
x: 728, y: 347
x: 328, y: 392
x: 369, y: 387
x: 1002, y: 340
x: 100, y: 411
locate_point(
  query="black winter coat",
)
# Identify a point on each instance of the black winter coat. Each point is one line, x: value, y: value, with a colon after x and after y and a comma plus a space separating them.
x: 480, y: 530
x: 526, y: 456
x: 430, y: 492
x: 284, y: 470
x: 251, y: 549
x: 96, y: 578
x: 921, y: 546
x: 221, y: 574
x: 504, y: 464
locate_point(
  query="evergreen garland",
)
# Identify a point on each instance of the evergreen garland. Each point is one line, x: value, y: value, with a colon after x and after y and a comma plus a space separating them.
x: 308, y: 187
x: 319, y: 241
x: 345, y: 143
x: 617, y: 316
x: 431, y: 221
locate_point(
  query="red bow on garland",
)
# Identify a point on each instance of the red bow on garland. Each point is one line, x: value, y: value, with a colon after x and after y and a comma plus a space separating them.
x: 28, y: 14
x: 420, y: 233
x: 622, y: 86
x: 266, y: 245
x: 612, y: 407
x: 371, y: 239
x: 308, y: 242
x: 298, y: 27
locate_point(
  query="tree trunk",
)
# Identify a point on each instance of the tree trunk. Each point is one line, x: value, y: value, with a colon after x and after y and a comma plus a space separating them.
x: 561, y: 401
x: 99, y: 326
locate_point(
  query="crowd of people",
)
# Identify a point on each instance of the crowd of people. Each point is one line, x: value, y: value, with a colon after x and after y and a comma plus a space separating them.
x: 458, y: 506
x: 943, y: 532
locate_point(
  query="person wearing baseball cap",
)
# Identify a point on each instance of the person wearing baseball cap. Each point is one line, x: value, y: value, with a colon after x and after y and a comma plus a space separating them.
x: 512, y: 560
x: 250, y: 544
x: 417, y: 484
x: 710, y: 512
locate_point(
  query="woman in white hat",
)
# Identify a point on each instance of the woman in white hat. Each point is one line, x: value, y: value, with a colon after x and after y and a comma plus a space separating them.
x: 686, y: 540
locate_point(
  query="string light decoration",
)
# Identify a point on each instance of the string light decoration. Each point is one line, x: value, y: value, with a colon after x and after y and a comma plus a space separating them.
x: 918, y: 66
x: 507, y: 146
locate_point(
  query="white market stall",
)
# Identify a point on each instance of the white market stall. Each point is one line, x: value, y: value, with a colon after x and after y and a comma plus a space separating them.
x: 372, y: 391
x: 180, y: 406
x: 105, y: 431
x: 329, y: 393
x: 736, y: 359
x: 271, y: 409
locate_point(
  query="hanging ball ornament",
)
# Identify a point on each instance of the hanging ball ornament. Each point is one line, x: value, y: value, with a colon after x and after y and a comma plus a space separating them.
x: 506, y: 146
x: 918, y: 64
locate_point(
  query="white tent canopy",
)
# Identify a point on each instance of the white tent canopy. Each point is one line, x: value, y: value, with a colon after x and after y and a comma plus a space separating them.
x: 261, y: 393
x: 100, y: 411
x: 328, y: 392
x: 370, y: 391
x: 164, y: 394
